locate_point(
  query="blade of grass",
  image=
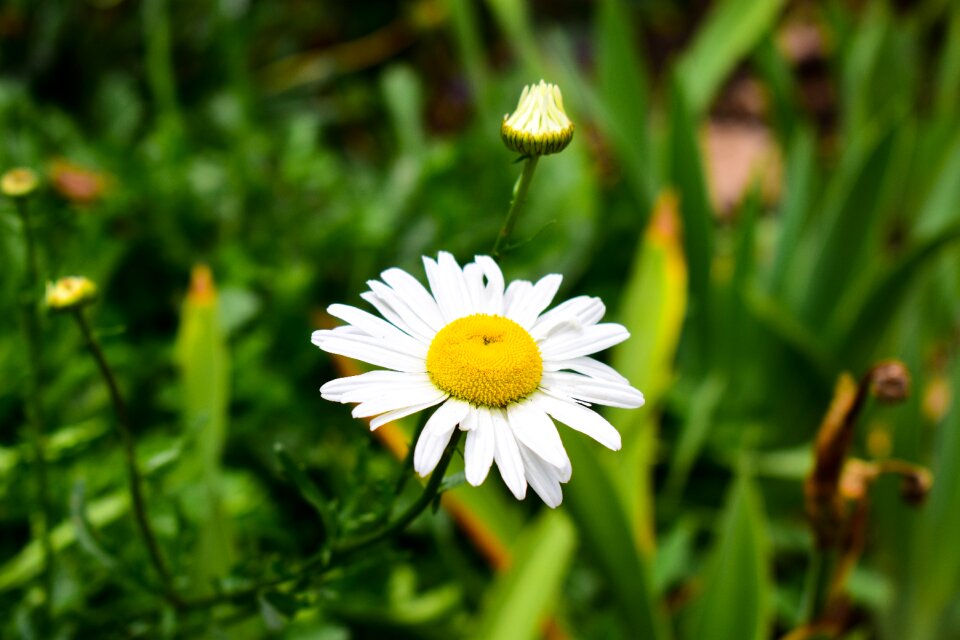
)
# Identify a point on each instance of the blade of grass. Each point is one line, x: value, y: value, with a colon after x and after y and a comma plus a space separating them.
x: 851, y: 211
x: 652, y: 307
x: 935, y: 566
x: 947, y: 87
x: 520, y: 597
x: 868, y: 314
x: 795, y: 205
x: 686, y: 174
x: 730, y: 31
x: 735, y: 599
x: 623, y: 87
x: 606, y: 536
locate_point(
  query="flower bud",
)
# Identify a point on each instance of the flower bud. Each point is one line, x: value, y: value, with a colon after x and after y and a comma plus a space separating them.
x: 916, y: 486
x: 890, y: 382
x: 68, y: 293
x: 19, y: 182
x: 539, y: 126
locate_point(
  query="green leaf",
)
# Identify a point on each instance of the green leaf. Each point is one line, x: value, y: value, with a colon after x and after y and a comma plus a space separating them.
x: 869, y: 314
x: 28, y: 563
x: 795, y: 205
x: 465, y: 25
x: 89, y: 541
x: 686, y: 175
x: 513, y: 18
x: 308, y: 489
x: 934, y: 569
x: 948, y: 78
x: 735, y: 600
x: 521, y: 596
x: 731, y: 30
x: 851, y: 215
x: 695, y: 430
x: 652, y: 308
x: 201, y: 352
x: 939, y: 208
x: 624, y: 99
x: 606, y: 536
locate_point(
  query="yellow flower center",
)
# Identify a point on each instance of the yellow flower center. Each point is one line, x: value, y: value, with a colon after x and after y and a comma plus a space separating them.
x: 485, y: 360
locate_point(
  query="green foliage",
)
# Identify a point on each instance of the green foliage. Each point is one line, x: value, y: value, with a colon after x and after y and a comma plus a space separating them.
x: 301, y: 149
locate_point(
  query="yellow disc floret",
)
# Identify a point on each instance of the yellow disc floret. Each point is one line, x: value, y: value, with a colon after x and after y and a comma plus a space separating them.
x: 485, y: 360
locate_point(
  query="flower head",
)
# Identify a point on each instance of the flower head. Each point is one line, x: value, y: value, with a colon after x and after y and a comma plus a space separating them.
x: 19, y: 182
x: 70, y: 293
x: 499, y: 366
x: 539, y: 126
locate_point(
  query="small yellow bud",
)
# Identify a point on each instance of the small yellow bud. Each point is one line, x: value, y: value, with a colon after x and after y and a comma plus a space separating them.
x: 19, y: 182
x: 70, y: 293
x: 539, y: 126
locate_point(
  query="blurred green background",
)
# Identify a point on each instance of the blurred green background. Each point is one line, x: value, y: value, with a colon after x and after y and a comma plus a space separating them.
x: 766, y: 192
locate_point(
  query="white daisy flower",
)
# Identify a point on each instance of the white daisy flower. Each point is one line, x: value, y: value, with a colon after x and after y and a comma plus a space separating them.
x: 499, y: 366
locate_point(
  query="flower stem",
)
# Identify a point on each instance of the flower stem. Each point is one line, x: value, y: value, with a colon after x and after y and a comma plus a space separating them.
x: 129, y: 451
x: 31, y: 328
x: 519, y: 197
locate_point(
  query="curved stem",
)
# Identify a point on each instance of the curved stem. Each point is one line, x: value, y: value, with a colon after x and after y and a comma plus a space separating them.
x: 519, y: 197
x: 130, y: 456
x: 31, y: 328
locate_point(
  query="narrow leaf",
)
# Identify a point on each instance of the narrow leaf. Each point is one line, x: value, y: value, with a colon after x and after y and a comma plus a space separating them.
x: 735, y: 599
x: 523, y: 595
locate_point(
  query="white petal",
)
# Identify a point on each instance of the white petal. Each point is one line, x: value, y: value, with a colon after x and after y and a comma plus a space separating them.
x: 574, y: 385
x: 588, y: 367
x: 380, y: 329
x: 399, y: 400
x: 478, y: 452
x: 516, y: 292
x: 390, y: 416
x: 387, y: 312
x: 574, y: 314
x: 543, y: 478
x: 383, y: 297
x: 436, y: 434
x: 507, y: 455
x: 469, y: 423
x: 525, y: 311
x: 580, y: 418
x: 372, y: 382
x: 448, y: 286
x: 494, y: 289
x: 534, y: 429
x: 359, y: 348
x: 592, y: 339
x: 473, y: 276
x: 415, y: 296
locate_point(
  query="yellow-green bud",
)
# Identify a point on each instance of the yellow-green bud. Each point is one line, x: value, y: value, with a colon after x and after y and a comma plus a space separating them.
x: 70, y: 293
x: 19, y: 182
x: 539, y: 126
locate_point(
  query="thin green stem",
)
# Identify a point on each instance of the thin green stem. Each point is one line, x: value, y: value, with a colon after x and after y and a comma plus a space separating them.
x: 31, y: 328
x: 130, y: 456
x: 519, y: 197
